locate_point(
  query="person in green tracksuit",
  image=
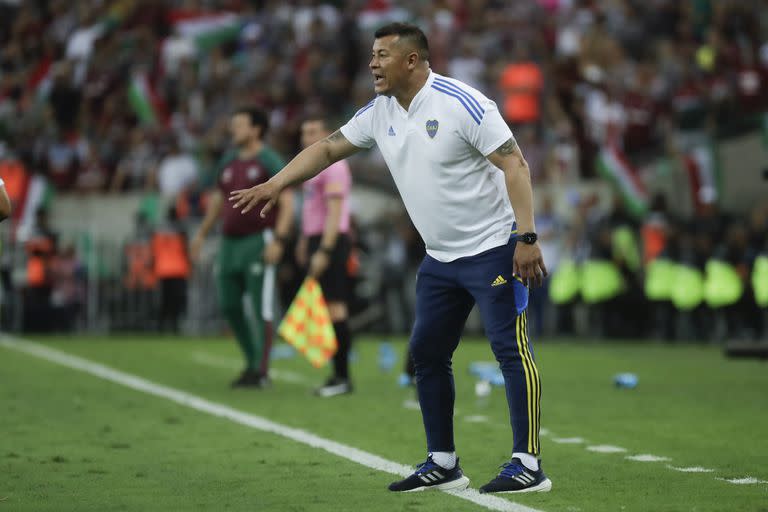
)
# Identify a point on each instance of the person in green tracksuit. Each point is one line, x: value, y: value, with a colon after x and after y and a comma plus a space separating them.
x: 251, y: 245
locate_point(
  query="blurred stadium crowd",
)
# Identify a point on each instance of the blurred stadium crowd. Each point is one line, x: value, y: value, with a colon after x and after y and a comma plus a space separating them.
x: 111, y: 97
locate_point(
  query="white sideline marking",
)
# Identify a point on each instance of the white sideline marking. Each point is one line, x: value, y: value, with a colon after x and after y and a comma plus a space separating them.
x: 544, y: 432
x: 647, y: 457
x: 478, y: 418
x: 743, y: 481
x: 691, y: 469
x: 606, y: 448
x: 233, y: 364
x: 568, y: 440
x: 251, y: 420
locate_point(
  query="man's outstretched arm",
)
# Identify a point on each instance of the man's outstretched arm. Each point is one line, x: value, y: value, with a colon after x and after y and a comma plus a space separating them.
x: 306, y: 165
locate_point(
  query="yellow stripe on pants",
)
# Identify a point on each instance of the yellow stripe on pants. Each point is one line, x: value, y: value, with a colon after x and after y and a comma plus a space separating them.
x: 528, y: 379
x: 536, y: 379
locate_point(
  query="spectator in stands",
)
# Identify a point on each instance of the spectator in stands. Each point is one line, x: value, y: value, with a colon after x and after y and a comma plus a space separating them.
x: 67, y: 289
x: 561, y: 164
x: 624, y: 315
x: 689, y: 104
x: 64, y: 156
x: 758, y: 227
x: 133, y: 169
x: 684, y: 59
x: 528, y: 137
x: 176, y: 173
x: 662, y: 313
x: 655, y: 229
x: 711, y: 224
x: 522, y: 82
x: 743, y: 317
x: 65, y: 98
x: 139, y: 279
x: 40, y: 247
x: 91, y: 174
x: 400, y: 247
x: 642, y: 112
x: 551, y: 230
x: 468, y: 66
x: 172, y: 269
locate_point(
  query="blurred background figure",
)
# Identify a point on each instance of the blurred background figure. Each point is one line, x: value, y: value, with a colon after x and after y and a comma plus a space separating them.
x: 172, y: 270
x: 139, y: 277
x: 41, y: 247
x: 403, y: 252
x: 551, y: 230
x: 67, y: 289
x: 251, y: 245
x: 324, y: 249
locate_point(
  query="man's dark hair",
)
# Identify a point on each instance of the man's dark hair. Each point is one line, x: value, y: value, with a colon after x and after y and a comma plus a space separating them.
x: 406, y: 31
x: 257, y: 117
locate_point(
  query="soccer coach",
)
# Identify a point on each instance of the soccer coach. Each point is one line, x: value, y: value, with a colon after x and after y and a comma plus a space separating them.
x: 467, y: 188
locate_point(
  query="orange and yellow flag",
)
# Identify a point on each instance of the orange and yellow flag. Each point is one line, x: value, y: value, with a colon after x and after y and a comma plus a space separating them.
x: 307, y: 325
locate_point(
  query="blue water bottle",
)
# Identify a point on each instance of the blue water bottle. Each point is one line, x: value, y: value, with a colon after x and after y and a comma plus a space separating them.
x: 387, y: 356
x: 625, y: 380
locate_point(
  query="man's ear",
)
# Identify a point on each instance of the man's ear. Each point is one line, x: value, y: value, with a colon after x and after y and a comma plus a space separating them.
x: 413, y: 60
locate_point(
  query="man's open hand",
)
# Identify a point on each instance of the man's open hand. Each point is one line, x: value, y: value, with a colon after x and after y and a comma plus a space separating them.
x: 248, y: 198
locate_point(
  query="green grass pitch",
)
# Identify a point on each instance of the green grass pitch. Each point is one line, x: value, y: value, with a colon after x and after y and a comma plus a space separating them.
x: 70, y: 441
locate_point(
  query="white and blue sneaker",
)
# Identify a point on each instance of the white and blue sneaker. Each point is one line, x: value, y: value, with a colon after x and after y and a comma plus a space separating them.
x: 515, y: 477
x: 429, y: 475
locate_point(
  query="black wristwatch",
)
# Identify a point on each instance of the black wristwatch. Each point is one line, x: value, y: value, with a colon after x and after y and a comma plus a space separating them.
x: 528, y: 238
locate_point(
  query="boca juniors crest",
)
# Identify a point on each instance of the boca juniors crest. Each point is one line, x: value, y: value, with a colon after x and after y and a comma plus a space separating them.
x: 432, y: 126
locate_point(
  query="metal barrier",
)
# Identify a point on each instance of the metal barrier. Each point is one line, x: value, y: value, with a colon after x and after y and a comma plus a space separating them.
x: 92, y: 293
x: 95, y: 296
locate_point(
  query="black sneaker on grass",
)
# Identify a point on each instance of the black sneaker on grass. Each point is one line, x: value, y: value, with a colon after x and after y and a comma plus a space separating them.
x: 250, y: 379
x: 333, y: 387
x: 429, y: 475
x: 515, y: 477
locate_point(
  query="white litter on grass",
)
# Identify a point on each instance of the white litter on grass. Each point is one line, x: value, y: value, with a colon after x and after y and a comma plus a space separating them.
x: 748, y: 480
x: 691, y: 469
x: 568, y: 440
x: 223, y: 411
x: 606, y: 448
x: 647, y: 457
x: 412, y: 405
x: 476, y: 419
